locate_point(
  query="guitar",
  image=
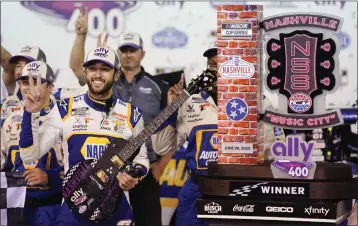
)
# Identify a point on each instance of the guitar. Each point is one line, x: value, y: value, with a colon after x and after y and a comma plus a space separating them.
x: 91, y: 189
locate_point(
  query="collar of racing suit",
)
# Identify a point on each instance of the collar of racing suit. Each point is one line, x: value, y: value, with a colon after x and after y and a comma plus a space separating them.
x: 47, y: 109
x: 103, y: 106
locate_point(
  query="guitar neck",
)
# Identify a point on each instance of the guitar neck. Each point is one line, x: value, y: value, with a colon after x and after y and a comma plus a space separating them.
x: 128, y: 151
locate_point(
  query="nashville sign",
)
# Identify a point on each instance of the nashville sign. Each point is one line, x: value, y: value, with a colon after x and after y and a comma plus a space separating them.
x: 302, y: 67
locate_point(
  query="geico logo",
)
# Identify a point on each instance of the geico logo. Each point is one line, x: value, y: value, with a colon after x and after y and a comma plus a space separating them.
x: 276, y: 209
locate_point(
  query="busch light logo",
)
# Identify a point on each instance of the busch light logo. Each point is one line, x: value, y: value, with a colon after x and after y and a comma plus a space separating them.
x: 170, y: 38
x: 103, y: 16
x: 344, y: 40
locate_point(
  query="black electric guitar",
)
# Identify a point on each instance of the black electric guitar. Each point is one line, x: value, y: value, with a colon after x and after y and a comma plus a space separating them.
x: 91, y: 189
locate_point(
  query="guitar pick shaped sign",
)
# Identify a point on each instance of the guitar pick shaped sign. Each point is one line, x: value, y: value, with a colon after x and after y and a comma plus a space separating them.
x: 302, y: 67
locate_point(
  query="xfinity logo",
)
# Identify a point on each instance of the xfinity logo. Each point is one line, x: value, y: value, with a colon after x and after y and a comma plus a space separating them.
x: 276, y: 209
x: 312, y: 210
x: 212, y: 208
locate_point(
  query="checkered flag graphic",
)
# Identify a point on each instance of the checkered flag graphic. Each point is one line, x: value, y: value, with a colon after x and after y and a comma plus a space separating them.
x: 12, y: 199
x: 243, y: 191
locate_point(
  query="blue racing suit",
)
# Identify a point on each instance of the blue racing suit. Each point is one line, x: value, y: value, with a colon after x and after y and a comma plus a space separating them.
x: 42, y: 202
x: 86, y: 126
x: 196, y: 122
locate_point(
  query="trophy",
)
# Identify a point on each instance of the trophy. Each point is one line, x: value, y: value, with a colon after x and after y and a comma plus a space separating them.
x: 295, y: 187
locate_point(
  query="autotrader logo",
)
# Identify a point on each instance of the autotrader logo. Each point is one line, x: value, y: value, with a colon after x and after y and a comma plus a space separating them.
x: 277, y: 209
x: 312, y: 210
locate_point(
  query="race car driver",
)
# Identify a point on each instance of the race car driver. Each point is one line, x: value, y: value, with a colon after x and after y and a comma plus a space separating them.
x: 86, y: 123
x: 196, y: 122
x: 14, y: 68
x: 44, y: 176
x: 26, y: 55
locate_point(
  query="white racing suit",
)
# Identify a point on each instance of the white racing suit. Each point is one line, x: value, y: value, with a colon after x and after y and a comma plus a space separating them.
x: 85, y: 127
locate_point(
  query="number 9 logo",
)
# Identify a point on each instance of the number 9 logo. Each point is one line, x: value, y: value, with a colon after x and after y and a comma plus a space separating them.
x: 99, y: 22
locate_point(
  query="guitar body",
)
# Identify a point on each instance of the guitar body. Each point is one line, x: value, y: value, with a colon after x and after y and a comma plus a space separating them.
x: 91, y: 188
x: 86, y: 195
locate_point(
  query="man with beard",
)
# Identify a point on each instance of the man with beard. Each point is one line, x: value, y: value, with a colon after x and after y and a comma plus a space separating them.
x: 86, y: 123
x: 147, y: 92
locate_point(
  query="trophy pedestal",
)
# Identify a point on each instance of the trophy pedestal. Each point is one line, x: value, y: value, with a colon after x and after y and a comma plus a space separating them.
x: 250, y: 195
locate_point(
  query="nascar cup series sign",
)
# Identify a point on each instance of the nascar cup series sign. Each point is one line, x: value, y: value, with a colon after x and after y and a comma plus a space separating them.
x: 302, y: 67
x: 236, y: 29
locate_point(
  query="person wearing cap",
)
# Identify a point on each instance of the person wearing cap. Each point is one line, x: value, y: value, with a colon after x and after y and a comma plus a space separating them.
x: 13, y: 67
x: 43, y: 176
x: 26, y: 55
x: 138, y: 87
x: 87, y: 123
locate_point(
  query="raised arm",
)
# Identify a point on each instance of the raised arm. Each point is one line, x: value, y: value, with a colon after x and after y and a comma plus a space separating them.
x: 37, y: 138
x: 8, y: 73
x: 78, y: 49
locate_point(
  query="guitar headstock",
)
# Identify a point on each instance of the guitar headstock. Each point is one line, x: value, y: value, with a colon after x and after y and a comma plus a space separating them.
x: 207, y: 80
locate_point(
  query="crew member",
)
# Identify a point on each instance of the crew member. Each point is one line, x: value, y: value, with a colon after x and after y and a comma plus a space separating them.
x: 44, y: 175
x: 86, y: 123
x: 13, y: 68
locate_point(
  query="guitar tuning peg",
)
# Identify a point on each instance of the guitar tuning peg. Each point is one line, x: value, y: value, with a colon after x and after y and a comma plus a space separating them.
x: 210, y: 88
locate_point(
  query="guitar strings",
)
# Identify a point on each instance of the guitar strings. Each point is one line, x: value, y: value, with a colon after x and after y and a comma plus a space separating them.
x: 107, y: 163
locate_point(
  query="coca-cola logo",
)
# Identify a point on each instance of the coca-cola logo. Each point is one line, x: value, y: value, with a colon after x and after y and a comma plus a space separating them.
x: 244, y: 209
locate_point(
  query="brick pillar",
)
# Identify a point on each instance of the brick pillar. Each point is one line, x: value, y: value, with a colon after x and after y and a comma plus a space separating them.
x: 233, y: 133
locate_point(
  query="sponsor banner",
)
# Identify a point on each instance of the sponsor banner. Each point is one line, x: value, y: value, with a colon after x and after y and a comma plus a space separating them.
x: 237, y: 68
x: 273, y: 210
x: 236, y: 29
x: 170, y: 38
x: 269, y: 189
x: 293, y: 158
x: 302, y: 68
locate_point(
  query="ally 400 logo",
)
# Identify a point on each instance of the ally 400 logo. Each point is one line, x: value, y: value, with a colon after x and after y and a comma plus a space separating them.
x: 103, y: 16
x: 292, y: 159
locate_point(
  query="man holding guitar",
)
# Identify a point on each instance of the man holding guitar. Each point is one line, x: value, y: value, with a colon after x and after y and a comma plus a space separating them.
x: 87, y: 124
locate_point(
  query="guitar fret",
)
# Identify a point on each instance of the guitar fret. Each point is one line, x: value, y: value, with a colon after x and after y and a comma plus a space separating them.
x: 136, y: 143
